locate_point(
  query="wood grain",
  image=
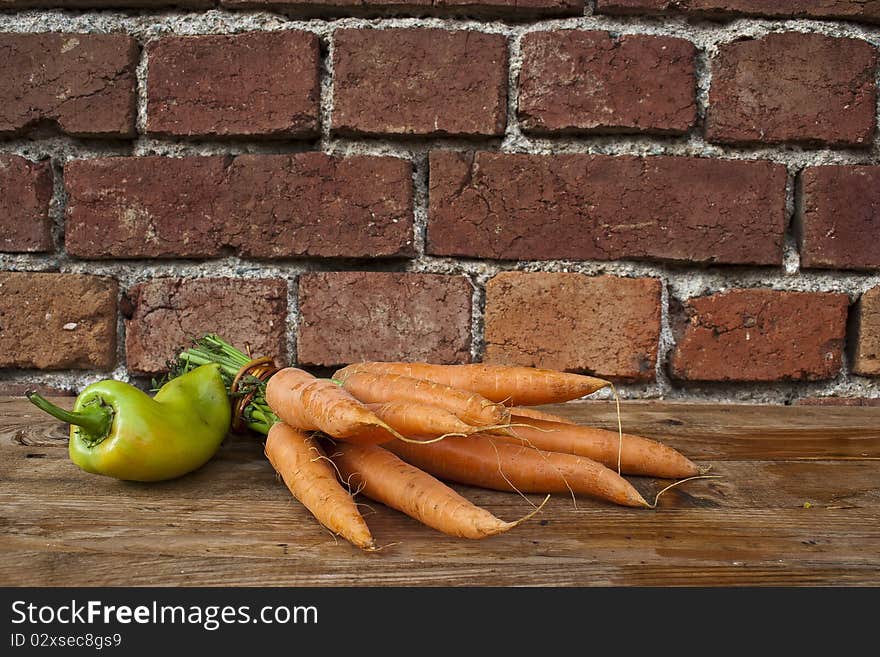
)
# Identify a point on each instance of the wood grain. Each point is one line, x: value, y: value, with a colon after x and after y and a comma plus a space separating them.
x: 737, y: 431
x: 233, y: 523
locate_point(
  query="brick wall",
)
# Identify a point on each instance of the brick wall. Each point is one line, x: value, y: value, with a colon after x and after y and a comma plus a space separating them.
x: 683, y: 197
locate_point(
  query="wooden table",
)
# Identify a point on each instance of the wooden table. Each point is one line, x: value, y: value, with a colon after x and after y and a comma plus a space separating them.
x: 797, y: 503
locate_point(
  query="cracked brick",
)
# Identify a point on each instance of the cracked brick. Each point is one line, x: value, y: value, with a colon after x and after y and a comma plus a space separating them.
x: 105, y: 4
x: 150, y: 207
x: 761, y: 335
x: 599, y: 207
x: 602, y: 325
x: 793, y: 87
x: 856, y: 10
x: 84, y: 84
x: 291, y: 205
x: 167, y: 314
x: 457, y: 8
x: 354, y: 316
x: 25, y: 194
x: 312, y: 204
x: 55, y: 321
x: 575, y: 81
x: 426, y: 82
x: 866, y: 334
x: 838, y: 223
x: 252, y: 84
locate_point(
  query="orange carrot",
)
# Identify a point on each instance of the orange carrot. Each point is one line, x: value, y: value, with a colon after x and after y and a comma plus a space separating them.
x: 311, y: 479
x: 535, y: 414
x: 384, y: 477
x: 420, y: 420
x: 308, y: 403
x: 501, y: 465
x: 638, y: 456
x: 507, y: 384
x: 377, y: 388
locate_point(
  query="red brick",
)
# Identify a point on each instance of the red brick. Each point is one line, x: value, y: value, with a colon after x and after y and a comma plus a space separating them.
x: 478, y: 8
x: 501, y: 8
x: 603, y: 325
x: 596, y: 207
x: 574, y: 81
x: 866, y: 334
x: 793, y: 87
x: 167, y: 314
x: 57, y: 321
x: 839, y: 218
x: 305, y: 204
x: 419, y: 82
x: 25, y: 194
x: 761, y: 335
x: 354, y: 316
x: 104, y: 4
x: 312, y: 204
x: 144, y: 207
x: 83, y: 83
x: 636, y: 6
x: 252, y: 84
x: 857, y: 10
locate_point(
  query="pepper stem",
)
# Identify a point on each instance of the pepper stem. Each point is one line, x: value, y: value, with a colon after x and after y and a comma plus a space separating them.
x: 95, y: 421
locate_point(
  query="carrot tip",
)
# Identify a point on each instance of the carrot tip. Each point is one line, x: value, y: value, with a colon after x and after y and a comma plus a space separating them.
x: 378, y: 548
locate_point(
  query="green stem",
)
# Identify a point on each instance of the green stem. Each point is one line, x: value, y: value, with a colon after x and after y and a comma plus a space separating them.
x: 211, y: 348
x: 259, y: 427
x: 197, y: 358
x: 263, y: 418
x: 95, y: 421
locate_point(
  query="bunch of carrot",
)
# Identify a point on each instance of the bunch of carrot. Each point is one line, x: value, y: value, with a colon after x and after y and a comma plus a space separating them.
x: 396, y: 431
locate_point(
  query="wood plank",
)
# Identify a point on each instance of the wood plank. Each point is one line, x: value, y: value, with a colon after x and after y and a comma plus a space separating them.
x: 277, y: 528
x: 741, y: 431
x: 679, y: 548
x: 698, y: 531
x: 233, y: 523
x: 240, y: 473
x: 701, y: 431
x: 22, y: 423
x: 75, y: 569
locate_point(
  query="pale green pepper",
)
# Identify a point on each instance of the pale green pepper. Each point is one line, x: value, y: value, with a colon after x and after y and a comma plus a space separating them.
x: 118, y: 430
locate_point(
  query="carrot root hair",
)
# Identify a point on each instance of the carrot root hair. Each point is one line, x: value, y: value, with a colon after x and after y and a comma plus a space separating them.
x: 496, y: 428
x: 530, y: 514
x: 619, y: 427
x: 678, y: 483
x: 392, y: 431
x: 546, y: 460
x: 504, y: 429
x: 436, y: 439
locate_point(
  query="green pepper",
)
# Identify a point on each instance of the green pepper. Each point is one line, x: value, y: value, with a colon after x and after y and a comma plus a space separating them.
x: 120, y: 431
